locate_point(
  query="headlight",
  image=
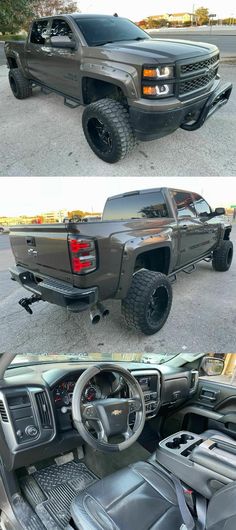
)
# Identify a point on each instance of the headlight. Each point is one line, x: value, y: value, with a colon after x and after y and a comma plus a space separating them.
x: 161, y: 72
x: 158, y: 90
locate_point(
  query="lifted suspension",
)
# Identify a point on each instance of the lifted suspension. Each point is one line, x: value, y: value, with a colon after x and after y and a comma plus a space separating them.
x: 26, y: 302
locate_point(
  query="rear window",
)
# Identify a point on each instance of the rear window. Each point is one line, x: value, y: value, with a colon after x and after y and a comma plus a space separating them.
x: 100, y: 30
x: 137, y: 206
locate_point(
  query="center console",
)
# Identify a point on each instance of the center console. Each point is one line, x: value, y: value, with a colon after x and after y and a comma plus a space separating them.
x: 203, y: 464
x: 149, y: 381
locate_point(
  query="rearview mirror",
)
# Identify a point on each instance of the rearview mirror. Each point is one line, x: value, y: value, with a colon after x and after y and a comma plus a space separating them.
x: 219, y: 211
x: 62, y: 42
x: 212, y: 366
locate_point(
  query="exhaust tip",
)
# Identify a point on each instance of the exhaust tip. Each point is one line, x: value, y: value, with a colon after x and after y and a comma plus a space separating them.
x: 95, y: 319
x: 103, y: 310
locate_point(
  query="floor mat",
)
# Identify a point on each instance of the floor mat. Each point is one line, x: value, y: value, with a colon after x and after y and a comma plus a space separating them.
x: 103, y: 464
x: 51, y: 490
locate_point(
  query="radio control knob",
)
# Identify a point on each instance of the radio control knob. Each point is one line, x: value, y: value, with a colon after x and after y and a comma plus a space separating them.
x: 31, y: 431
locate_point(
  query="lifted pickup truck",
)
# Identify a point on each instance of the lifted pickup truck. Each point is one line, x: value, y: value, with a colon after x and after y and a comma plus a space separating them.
x: 143, y: 240
x: 133, y: 86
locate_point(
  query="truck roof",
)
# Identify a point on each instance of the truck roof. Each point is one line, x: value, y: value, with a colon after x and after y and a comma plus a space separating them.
x: 77, y: 15
x: 149, y: 190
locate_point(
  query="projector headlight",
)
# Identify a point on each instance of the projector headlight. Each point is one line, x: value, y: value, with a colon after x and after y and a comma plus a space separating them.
x: 158, y: 90
x: 160, y: 72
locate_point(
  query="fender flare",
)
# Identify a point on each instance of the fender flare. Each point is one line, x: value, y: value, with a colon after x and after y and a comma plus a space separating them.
x: 133, y: 248
x: 114, y: 75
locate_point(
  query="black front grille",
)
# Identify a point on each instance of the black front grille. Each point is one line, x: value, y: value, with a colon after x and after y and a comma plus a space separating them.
x: 200, y: 65
x: 196, y: 83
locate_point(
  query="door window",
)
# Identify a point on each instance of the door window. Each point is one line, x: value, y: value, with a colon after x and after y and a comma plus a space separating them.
x: 60, y: 28
x: 39, y: 32
x: 184, y: 204
x: 202, y: 207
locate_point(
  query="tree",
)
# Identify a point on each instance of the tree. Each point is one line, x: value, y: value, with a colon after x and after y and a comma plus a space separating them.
x: 17, y: 14
x: 44, y: 8
x: 202, y: 16
x: 13, y: 14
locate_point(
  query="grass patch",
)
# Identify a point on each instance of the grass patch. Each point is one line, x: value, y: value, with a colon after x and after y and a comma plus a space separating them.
x: 12, y: 37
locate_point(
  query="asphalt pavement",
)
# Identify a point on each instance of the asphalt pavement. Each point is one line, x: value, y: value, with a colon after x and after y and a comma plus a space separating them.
x: 202, y: 318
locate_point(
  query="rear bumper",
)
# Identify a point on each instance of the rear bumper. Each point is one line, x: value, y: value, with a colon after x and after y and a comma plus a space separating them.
x: 56, y: 291
x: 151, y: 125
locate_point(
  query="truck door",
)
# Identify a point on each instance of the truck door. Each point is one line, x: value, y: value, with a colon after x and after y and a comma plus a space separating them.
x: 54, y: 66
x: 209, y: 226
x: 63, y: 64
x: 191, y: 229
x: 37, y: 50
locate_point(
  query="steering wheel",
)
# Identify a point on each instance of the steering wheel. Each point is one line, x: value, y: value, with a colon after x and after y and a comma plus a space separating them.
x: 108, y: 417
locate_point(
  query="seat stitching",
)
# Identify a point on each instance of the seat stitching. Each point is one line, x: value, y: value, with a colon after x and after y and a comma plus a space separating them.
x: 91, y: 515
x: 125, y: 495
x: 156, y: 488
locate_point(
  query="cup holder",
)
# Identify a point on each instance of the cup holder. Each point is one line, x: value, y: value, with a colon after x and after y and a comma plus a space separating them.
x: 178, y: 441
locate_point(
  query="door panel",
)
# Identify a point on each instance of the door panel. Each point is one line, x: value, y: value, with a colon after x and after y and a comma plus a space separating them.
x: 64, y: 63
x: 57, y: 68
x: 212, y: 407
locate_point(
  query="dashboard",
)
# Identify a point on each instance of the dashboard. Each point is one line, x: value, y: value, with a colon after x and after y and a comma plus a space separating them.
x: 36, y: 404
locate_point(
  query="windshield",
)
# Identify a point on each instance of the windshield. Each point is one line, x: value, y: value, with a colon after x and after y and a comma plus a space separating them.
x: 148, y: 358
x: 102, y: 30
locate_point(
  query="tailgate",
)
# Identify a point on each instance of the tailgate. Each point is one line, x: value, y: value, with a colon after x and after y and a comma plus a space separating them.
x: 42, y: 249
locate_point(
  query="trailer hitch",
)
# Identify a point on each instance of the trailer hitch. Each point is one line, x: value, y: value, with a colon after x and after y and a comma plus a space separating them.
x: 26, y: 302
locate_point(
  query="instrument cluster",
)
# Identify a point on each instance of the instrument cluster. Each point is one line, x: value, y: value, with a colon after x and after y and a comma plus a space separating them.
x: 100, y: 387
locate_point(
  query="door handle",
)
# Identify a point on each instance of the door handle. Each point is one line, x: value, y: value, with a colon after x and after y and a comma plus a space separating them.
x: 210, y: 395
x: 184, y: 227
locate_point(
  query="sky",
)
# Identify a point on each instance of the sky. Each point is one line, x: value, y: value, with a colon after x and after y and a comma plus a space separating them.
x: 35, y: 195
x: 137, y: 10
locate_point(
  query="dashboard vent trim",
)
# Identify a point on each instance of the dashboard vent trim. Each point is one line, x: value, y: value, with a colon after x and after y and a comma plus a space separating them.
x: 3, y: 412
x: 194, y: 381
x: 44, y: 410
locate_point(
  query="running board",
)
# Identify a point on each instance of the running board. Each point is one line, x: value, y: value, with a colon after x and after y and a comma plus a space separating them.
x: 71, y: 103
x: 190, y: 269
x: 45, y: 90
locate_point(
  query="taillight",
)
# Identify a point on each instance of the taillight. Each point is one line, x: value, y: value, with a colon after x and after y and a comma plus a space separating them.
x: 83, y: 255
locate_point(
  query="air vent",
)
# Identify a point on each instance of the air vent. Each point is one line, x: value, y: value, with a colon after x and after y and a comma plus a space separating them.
x: 3, y: 412
x: 44, y: 410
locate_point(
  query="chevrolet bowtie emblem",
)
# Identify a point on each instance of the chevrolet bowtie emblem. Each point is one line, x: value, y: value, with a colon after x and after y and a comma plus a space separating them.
x: 116, y: 412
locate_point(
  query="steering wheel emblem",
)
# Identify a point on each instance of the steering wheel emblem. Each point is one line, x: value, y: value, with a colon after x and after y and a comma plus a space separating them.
x: 116, y: 412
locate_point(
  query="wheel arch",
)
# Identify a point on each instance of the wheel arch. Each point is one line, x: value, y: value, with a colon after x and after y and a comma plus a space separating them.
x: 108, y: 77
x: 140, y: 253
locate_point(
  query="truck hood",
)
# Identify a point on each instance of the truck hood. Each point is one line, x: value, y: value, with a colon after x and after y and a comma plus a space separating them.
x: 163, y: 49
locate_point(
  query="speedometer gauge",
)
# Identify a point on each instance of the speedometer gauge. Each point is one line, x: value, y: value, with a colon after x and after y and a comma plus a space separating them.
x: 92, y: 392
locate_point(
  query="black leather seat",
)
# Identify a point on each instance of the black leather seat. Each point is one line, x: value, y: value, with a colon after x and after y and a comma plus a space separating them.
x: 140, y: 497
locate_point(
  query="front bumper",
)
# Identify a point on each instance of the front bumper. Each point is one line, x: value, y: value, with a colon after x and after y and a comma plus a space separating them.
x: 56, y: 291
x: 151, y: 125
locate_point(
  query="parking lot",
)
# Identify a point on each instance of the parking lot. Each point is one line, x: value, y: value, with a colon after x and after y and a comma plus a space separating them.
x: 40, y: 136
x: 202, y: 318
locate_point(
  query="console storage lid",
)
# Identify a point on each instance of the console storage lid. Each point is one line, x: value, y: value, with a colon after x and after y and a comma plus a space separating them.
x: 217, y: 455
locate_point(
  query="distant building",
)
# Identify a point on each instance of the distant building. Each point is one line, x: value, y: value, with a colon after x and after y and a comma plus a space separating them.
x: 174, y: 19
x: 181, y: 19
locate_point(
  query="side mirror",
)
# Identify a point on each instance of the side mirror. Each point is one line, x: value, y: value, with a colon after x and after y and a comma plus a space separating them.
x: 219, y: 211
x: 62, y: 42
x: 211, y: 366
